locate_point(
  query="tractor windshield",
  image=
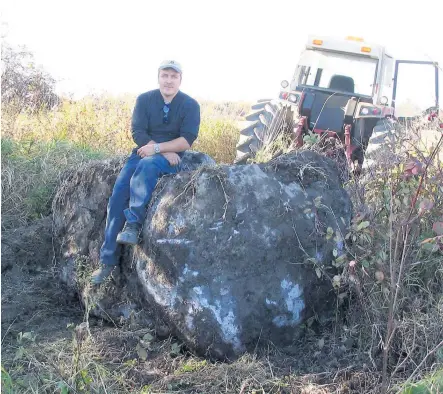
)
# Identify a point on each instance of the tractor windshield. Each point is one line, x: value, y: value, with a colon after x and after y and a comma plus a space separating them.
x: 316, y: 68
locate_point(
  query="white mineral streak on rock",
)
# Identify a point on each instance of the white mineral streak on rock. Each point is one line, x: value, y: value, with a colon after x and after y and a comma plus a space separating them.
x: 292, y: 295
x: 292, y: 189
x: 229, y: 330
x: 224, y: 291
x: 189, y: 320
x: 251, y: 179
x: 198, y: 290
x: 164, y: 294
x: 187, y: 271
x: 176, y: 225
x: 217, y: 226
x: 268, y: 235
x: 174, y: 241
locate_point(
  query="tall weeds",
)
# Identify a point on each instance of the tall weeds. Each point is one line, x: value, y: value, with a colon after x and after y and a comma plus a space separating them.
x: 38, y: 146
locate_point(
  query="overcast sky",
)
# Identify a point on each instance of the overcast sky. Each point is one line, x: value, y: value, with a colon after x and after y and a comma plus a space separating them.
x: 234, y: 50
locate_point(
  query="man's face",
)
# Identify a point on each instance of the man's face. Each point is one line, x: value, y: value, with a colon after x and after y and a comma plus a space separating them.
x: 169, y: 81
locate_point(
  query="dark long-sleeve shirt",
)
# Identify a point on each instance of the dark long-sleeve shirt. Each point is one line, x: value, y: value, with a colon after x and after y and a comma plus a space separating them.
x: 147, y: 119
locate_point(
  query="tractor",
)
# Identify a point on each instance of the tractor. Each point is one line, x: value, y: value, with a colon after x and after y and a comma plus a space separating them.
x: 341, y: 89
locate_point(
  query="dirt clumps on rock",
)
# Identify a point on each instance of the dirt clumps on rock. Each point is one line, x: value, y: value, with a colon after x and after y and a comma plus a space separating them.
x: 230, y: 256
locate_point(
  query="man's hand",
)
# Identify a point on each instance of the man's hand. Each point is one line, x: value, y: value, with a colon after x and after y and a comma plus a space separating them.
x: 172, y: 157
x: 146, y: 150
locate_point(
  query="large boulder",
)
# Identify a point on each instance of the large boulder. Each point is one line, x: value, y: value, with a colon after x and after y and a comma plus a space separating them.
x: 79, y: 217
x: 231, y: 256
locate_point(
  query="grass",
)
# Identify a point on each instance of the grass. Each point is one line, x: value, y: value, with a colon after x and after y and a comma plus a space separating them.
x: 106, y: 362
x: 31, y: 170
x: 428, y: 385
x: 103, y: 124
x: 389, y: 288
x: 37, y: 148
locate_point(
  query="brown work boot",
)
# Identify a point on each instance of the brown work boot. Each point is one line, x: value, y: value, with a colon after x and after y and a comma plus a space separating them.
x: 129, y: 234
x: 98, y: 276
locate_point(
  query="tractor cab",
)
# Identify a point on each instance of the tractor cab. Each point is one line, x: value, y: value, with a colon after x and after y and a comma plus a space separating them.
x: 344, y: 88
x: 331, y: 72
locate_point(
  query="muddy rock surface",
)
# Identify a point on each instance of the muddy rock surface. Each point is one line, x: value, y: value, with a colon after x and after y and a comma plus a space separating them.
x: 231, y: 256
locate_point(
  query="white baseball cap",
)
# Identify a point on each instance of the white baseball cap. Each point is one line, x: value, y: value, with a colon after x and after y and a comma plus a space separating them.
x: 171, y: 64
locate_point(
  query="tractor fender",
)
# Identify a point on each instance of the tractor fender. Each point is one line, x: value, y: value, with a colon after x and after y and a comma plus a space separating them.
x: 368, y: 110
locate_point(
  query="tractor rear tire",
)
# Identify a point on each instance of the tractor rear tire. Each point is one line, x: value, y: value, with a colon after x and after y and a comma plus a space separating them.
x: 267, y: 119
x: 363, y: 130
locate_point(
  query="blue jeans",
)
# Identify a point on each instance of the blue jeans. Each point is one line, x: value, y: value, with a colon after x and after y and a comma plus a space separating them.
x: 131, y: 195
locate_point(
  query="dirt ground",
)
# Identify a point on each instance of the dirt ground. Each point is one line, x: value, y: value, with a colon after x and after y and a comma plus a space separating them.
x: 42, y: 350
x: 33, y: 299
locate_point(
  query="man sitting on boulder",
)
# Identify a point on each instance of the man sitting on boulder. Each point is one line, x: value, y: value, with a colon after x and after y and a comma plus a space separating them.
x: 165, y: 123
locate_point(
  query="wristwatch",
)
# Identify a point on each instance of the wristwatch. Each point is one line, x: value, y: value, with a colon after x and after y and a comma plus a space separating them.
x: 156, y: 148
